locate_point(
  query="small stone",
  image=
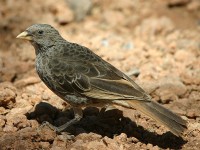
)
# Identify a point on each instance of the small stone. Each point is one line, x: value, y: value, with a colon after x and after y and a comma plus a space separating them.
x: 80, y: 8
x: 134, y: 140
x: 27, y: 81
x: 183, y: 55
x: 194, y: 5
x: 156, y: 148
x: 47, y: 134
x: 121, y: 138
x: 44, y: 145
x: 2, y: 121
x: 170, y: 89
x: 192, y: 113
x: 96, y: 145
x: 191, y: 77
x: 19, y: 111
x: 7, y: 95
x: 9, y: 128
x: 149, y: 146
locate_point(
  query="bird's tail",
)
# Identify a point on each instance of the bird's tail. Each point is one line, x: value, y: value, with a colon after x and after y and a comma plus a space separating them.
x: 157, y: 112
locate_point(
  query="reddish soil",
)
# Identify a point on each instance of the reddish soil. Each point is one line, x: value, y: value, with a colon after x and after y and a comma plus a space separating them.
x: 160, y: 39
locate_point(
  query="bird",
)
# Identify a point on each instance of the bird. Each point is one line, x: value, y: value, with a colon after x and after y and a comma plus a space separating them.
x: 82, y: 78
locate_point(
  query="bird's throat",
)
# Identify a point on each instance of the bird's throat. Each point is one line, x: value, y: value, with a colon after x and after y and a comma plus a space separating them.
x: 38, y: 48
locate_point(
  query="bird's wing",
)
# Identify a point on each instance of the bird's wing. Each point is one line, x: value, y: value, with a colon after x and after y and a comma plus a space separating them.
x: 114, y: 84
x: 96, y: 80
x: 93, y: 77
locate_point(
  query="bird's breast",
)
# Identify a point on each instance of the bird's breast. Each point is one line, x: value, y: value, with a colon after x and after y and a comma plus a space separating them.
x: 42, y: 66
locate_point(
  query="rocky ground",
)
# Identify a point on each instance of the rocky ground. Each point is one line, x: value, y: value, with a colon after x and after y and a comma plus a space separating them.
x: 159, y: 39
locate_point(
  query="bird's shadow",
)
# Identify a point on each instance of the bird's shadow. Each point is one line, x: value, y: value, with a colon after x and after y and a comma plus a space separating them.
x: 106, y: 123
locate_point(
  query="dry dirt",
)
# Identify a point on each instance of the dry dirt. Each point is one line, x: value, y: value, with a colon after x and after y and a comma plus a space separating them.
x: 159, y: 39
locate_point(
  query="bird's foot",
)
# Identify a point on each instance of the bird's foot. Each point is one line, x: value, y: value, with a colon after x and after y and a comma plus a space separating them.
x: 67, y: 136
x: 64, y: 135
x: 52, y: 127
x: 77, y: 116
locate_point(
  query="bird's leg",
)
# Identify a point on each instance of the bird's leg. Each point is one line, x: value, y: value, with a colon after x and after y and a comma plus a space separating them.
x: 77, y: 116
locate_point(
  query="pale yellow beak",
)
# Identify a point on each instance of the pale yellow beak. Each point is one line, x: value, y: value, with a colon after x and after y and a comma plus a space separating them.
x: 25, y: 35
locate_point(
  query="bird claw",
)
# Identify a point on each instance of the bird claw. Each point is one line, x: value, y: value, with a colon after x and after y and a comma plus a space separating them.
x: 64, y: 135
x: 67, y: 136
x: 52, y: 127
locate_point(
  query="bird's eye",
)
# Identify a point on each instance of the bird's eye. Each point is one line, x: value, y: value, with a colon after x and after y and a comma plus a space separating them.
x: 40, y: 32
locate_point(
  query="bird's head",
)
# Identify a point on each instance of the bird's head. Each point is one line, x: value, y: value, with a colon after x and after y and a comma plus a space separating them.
x: 41, y: 35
